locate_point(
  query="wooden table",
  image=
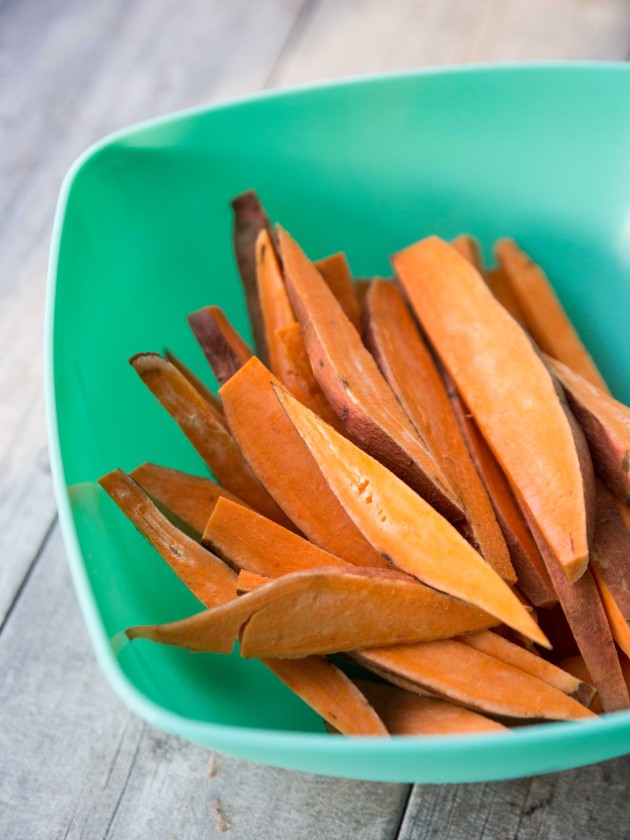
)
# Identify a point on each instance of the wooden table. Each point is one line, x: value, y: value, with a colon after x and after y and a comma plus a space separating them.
x: 74, y: 763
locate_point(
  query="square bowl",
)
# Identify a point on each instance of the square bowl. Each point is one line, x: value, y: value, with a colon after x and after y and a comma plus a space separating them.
x: 142, y: 238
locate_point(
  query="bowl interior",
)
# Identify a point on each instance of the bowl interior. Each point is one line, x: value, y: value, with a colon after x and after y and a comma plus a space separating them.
x: 537, y: 153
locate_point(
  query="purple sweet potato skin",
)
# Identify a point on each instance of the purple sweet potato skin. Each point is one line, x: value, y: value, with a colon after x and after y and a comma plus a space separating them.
x: 611, y: 549
x: 221, y: 357
x: 249, y: 219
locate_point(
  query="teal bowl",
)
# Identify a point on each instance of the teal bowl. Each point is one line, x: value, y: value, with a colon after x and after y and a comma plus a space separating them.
x: 142, y: 237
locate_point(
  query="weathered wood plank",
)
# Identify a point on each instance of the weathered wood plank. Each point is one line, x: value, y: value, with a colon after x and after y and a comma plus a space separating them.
x: 88, y: 70
x: 75, y: 763
x: 338, y: 39
x: 589, y: 802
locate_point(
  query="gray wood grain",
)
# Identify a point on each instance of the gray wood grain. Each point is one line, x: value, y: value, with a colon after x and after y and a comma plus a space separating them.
x: 87, y: 69
x: 75, y: 763
x: 336, y: 40
x: 591, y: 802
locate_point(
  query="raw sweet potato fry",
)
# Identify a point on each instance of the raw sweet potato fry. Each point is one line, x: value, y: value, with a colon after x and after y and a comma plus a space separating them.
x: 248, y: 581
x: 355, y: 387
x: 406, y: 713
x: 495, y: 645
x: 320, y: 611
x: 207, y: 577
x: 606, y: 424
x: 402, y: 526
x: 206, y: 431
x: 498, y: 283
x: 511, y: 395
x: 616, y: 618
x: 247, y: 540
x: 189, y: 498
x: 405, y: 361
x: 296, y: 374
x: 361, y: 288
x: 336, y: 272
x: 453, y: 671
x: 274, y: 301
x: 319, y: 683
x: 545, y: 318
x: 610, y: 556
x: 468, y: 247
x: 585, y: 614
x: 223, y: 347
x: 284, y: 465
x: 249, y: 219
x: 533, y: 577
x: 194, y: 380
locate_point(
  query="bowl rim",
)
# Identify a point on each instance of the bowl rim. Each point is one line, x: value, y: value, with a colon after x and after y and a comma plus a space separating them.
x: 234, y: 739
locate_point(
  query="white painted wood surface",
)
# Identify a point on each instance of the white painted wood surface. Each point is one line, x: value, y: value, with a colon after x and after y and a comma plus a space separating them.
x: 73, y: 761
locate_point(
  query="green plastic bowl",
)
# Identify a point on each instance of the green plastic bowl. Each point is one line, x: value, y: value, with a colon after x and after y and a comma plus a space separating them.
x: 142, y: 237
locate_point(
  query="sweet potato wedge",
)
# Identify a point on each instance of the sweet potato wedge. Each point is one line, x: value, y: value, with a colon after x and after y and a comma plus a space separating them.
x: 274, y: 301
x: 223, y: 347
x: 207, y: 577
x: 406, y: 713
x: 336, y: 272
x: 206, y: 431
x: 247, y: 540
x: 582, y: 606
x: 296, y: 374
x: 248, y: 581
x: 606, y: 424
x: 468, y: 247
x: 286, y: 468
x: 321, y: 611
x: 319, y: 683
x: 189, y: 498
x: 501, y: 289
x: 404, y: 527
x: 330, y: 693
x: 495, y: 645
x: 249, y: 219
x: 453, y: 671
x: 611, y: 549
x: 406, y: 363
x: 545, y: 318
x: 194, y: 380
x: 533, y: 578
x: 512, y: 395
x: 355, y: 387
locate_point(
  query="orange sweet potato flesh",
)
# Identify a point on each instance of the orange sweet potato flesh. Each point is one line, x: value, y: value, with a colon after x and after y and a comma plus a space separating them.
x: 206, y: 431
x: 189, y: 498
x: 404, y: 527
x: 452, y: 670
x: 575, y: 665
x: 406, y: 713
x: 222, y: 345
x: 274, y: 301
x: 203, y: 389
x: 582, y: 606
x: 249, y: 219
x: 498, y: 281
x: 610, y: 556
x: 405, y: 361
x: 282, y: 462
x: 319, y: 683
x: 533, y: 578
x: 616, y: 618
x: 355, y: 387
x: 207, y: 577
x: 606, y: 424
x: 336, y: 272
x: 247, y: 581
x: 247, y: 540
x: 545, y: 318
x: 512, y: 395
x: 322, y: 611
x: 495, y: 645
x: 468, y: 247
x: 296, y: 374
